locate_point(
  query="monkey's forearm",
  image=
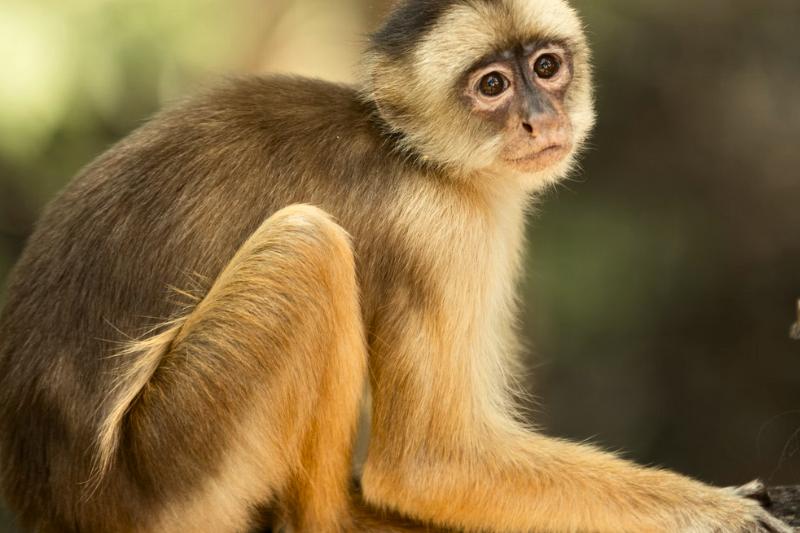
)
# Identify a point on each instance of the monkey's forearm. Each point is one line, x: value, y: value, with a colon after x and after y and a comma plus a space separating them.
x: 545, y: 484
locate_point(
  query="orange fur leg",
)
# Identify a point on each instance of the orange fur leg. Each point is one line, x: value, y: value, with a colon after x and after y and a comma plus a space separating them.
x: 252, y: 399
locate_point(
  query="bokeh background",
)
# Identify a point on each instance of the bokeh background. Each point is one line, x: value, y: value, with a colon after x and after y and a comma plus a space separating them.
x: 661, y: 279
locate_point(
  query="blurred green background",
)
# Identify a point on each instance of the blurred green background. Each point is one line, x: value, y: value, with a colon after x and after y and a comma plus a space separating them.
x: 661, y: 279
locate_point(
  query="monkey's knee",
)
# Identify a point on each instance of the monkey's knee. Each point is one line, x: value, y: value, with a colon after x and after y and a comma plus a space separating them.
x: 289, y: 294
x: 307, y: 232
x: 305, y: 217
x: 302, y: 247
x: 296, y: 267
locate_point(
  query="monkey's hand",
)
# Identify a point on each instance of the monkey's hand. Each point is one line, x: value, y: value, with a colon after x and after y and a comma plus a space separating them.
x: 741, y: 510
x: 756, y: 491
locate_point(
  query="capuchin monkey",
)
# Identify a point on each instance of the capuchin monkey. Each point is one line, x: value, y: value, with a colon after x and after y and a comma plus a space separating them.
x: 188, y: 334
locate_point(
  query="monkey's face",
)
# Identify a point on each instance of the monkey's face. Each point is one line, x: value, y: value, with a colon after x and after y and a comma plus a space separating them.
x: 520, y: 93
x: 502, y: 86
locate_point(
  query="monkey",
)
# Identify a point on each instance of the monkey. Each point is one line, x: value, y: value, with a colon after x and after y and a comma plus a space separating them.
x: 190, y: 330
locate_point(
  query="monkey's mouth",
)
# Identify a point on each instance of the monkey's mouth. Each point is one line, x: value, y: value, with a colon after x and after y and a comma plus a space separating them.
x: 544, y: 152
x: 540, y: 159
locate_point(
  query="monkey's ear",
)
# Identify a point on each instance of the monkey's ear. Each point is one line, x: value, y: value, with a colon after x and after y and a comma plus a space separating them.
x: 374, y: 86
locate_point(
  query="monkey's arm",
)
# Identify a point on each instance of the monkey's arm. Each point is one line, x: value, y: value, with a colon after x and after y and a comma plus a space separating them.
x: 447, y: 454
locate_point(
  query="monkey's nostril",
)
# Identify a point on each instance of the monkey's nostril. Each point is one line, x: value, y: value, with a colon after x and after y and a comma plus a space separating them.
x: 527, y: 127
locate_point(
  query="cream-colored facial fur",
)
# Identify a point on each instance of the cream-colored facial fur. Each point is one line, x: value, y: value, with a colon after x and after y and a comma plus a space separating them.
x: 423, y: 86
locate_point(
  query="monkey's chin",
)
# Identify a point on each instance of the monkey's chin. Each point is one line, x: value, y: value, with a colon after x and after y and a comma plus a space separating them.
x: 539, y: 171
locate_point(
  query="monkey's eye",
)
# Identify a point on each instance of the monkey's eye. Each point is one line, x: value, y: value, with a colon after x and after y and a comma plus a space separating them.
x: 547, y: 66
x: 493, y: 84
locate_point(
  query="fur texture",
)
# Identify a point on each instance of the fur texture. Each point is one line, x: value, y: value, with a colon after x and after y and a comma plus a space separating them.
x: 186, y: 339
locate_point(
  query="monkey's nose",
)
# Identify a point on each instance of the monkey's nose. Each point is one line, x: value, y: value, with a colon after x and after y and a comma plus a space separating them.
x: 540, y: 124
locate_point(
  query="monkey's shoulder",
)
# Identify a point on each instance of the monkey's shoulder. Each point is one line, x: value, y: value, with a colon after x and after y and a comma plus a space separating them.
x: 275, y: 106
x: 276, y: 123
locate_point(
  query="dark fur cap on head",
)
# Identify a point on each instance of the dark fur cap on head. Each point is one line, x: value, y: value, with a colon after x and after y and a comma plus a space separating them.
x: 415, y: 67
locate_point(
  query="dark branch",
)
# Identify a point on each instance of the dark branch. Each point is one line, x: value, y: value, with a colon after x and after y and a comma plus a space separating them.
x: 795, y: 333
x: 786, y: 504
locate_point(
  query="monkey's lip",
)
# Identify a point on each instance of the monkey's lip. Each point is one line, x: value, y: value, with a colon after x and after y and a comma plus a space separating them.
x: 540, y: 159
x: 549, y: 151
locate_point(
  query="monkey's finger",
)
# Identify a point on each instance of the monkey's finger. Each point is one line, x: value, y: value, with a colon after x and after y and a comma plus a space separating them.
x: 755, y: 490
